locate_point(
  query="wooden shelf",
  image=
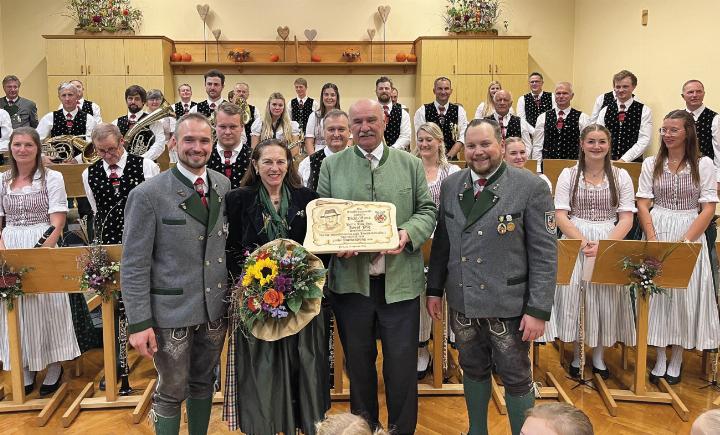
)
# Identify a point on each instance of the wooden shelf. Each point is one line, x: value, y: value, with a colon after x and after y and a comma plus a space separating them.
x: 296, y: 67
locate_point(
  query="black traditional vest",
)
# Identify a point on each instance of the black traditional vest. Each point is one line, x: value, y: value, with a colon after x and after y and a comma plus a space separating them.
x: 204, y: 108
x: 608, y: 99
x: 123, y: 124
x: 238, y: 169
x: 248, y: 126
x: 109, y: 219
x: 451, y: 122
x: 87, y: 107
x: 513, y: 127
x: 703, y: 126
x: 316, y: 160
x: 180, y: 108
x: 60, y: 128
x: 301, y: 115
x: 626, y: 135
x: 532, y: 111
x: 392, y: 129
x: 562, y: 144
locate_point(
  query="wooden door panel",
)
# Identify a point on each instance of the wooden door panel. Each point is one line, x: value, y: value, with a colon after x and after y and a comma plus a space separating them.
x: 66, y: 57
x: 510, y: 56
x: 105, y: 57
x: 475, y: 56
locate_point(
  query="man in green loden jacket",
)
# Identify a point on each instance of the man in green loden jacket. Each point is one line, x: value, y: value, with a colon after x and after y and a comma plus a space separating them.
x: 380, y: 290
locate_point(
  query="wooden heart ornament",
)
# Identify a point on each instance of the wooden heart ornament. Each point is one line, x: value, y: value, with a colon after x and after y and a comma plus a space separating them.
x: 203, y: 10
x: 384, y: 11
x: 371, y: 33
x: 283, y: 32
x: 310, y: 34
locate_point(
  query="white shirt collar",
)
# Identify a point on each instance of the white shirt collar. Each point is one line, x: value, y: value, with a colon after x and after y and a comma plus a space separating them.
x: 505, y: 118
x: 121, y: 163
x: 192, y: 177
x: 73, y: 113
x: 302, y: 100
x: 565, y: 111
x: 446, y: 105
x: 377, y: 152
x: 12, y: 101
x: 329, y: 152
x: 137, y: 115
x: 474, y: 177
x: 696, y: 113
x: 627, y: 104
x: 216, y: 102
x: 81, y: 101
x: 235, y: 151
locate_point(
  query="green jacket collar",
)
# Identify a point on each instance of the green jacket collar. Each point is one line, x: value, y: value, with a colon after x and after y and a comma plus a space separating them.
x: 192, y: 204
x: 473, y: 208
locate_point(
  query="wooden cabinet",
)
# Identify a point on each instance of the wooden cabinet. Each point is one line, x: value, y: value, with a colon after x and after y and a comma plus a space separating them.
x: 471, y: 63
x: 107, y: 66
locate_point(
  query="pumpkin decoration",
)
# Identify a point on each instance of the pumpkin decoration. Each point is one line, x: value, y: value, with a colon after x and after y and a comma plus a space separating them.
x: 176, y: 57
x: 315, y: 58
x: 412, y: 57
x: 401, y: 57
x: 274, y: 58
x: 186, y: 57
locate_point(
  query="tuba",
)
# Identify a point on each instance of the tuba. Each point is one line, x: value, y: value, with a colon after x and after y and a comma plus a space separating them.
x: 136, y: 142
x: 61, y: 148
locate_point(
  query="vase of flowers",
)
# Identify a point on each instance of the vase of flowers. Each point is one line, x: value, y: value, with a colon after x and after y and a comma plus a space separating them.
x: 104, y: 17
x: 475, y: 17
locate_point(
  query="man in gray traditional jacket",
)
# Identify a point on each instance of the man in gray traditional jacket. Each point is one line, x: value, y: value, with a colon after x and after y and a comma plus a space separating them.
x: 494, y: 253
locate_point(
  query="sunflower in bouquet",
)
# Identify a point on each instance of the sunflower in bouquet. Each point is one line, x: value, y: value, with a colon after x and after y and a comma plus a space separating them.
x: 279, y: 290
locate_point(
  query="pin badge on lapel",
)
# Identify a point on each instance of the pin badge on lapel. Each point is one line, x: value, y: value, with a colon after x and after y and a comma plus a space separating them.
x: 183, y: 206
x: 501, y: 228
x: 510, y: 224
x: 181, y: 192
x: 460, y: 196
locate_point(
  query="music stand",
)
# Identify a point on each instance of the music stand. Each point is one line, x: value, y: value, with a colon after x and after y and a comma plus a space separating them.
x: 679, y: 261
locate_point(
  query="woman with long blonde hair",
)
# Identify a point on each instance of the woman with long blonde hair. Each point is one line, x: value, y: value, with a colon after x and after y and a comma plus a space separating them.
x: 275, y: 123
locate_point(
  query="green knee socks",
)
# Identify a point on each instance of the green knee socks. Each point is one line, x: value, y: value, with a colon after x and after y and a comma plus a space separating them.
x: 198, y: 412
x: 477, y: 397
x: 167, y: 425
x: 516, y: 407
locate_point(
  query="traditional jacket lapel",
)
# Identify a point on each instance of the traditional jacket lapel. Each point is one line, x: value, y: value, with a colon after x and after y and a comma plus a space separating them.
x: 191, y: 204
x: 214, y: 203
x: 487, y: 198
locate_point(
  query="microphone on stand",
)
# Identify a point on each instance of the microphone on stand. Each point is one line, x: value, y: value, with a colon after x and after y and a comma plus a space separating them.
x: 44, y: 237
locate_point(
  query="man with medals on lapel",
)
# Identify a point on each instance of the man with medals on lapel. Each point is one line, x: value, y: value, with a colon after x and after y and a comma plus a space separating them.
x: 231, y: 155
x: 511, y: 125
x: 107, y: 184
x: 154, y: 138
x: 397, y: 120
x: 185, y: 104
x: 302, y: 106
x: 535, y: 102
x: 214, y: 84
x: 86, y: 106
x: 23, y: 112
x: 175, y: 278
x: 629, y: 121
x: 450, y: 117
x: 494, y: 253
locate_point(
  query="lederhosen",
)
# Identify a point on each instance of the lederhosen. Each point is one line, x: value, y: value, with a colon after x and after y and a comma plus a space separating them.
x: 237, y: 169
x: 110, y: 219
x: 561, y: 144
x: 301, y: 115
x: 446, y: 124
x: 532, y: 111
x: 626, y: 135
x: 248, y: 126
x: 180, y: 108
x: 392, y: 129
x: 123, y: 124
x: 513, y: 127
x: 316, y: 160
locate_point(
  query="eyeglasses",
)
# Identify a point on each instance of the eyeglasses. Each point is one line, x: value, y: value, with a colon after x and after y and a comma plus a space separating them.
x: 669, y: 131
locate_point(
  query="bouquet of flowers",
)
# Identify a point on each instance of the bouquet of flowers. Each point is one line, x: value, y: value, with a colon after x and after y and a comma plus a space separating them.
x: 108, y: 15
x: 98, y: 272
x: 471, y: 15
x: 642, y: 274
x: 11, y: 284
x: 279, y: 290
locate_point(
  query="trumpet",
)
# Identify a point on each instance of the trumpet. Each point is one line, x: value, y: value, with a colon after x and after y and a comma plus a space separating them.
x: 61, y: 148
x: 138, y: 143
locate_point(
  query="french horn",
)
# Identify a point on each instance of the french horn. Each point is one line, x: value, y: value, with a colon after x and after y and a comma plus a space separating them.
x: 244, y: 108
x: 134, y: 141
x: 62, y: 148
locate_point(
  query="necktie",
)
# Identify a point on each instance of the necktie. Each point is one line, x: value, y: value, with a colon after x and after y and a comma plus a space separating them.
x: 621, y: 114
x: 115, y: 178
x: 561, y: 120
x: 537, y: 100
x: 387, y: 114
x: 481, y: 182
x: 187, y: 107
x: 502, y: 126
x: 441, y: 115
x: 200, y: 189
x: 131, y: 120
x: 212, y: 106
x: 11, y: 103
x: 228, y: 168
x: 301, y: 104
x: 371, y: 159
x: 69, y: 120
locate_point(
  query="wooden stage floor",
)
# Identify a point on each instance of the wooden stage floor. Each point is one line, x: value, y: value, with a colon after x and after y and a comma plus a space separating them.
x: 437, y: 414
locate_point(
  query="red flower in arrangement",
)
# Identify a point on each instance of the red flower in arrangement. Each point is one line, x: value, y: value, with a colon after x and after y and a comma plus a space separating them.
x: 8, y: 280
x: 263, y: 255
x: 252, y: 304
x: 273, y: 298
x: 97, y: 18
x: 126, y: 12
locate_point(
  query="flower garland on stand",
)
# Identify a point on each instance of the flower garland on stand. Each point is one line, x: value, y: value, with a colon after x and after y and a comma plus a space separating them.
x: 11, y: 284
x: 104, y: 15
x: 98, y: 272
x: 642, y: 275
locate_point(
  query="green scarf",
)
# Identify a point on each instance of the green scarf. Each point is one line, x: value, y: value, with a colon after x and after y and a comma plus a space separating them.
x: 275, y: 225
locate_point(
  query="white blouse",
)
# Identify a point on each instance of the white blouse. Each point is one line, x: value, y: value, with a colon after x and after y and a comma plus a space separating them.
x: 256, y: 129
x: 564, y: 189
x: 57, y: 198
x: 708, y: 183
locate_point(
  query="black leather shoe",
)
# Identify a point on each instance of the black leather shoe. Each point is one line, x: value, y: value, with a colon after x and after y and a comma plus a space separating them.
x: 654, y: 379
x: 605, y: 373
x: 31, y: 387
x: 422, y: 373
x: 574, y: 372
x: 46, y: 390
x: 101, y: 384
x: 672, y: 380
